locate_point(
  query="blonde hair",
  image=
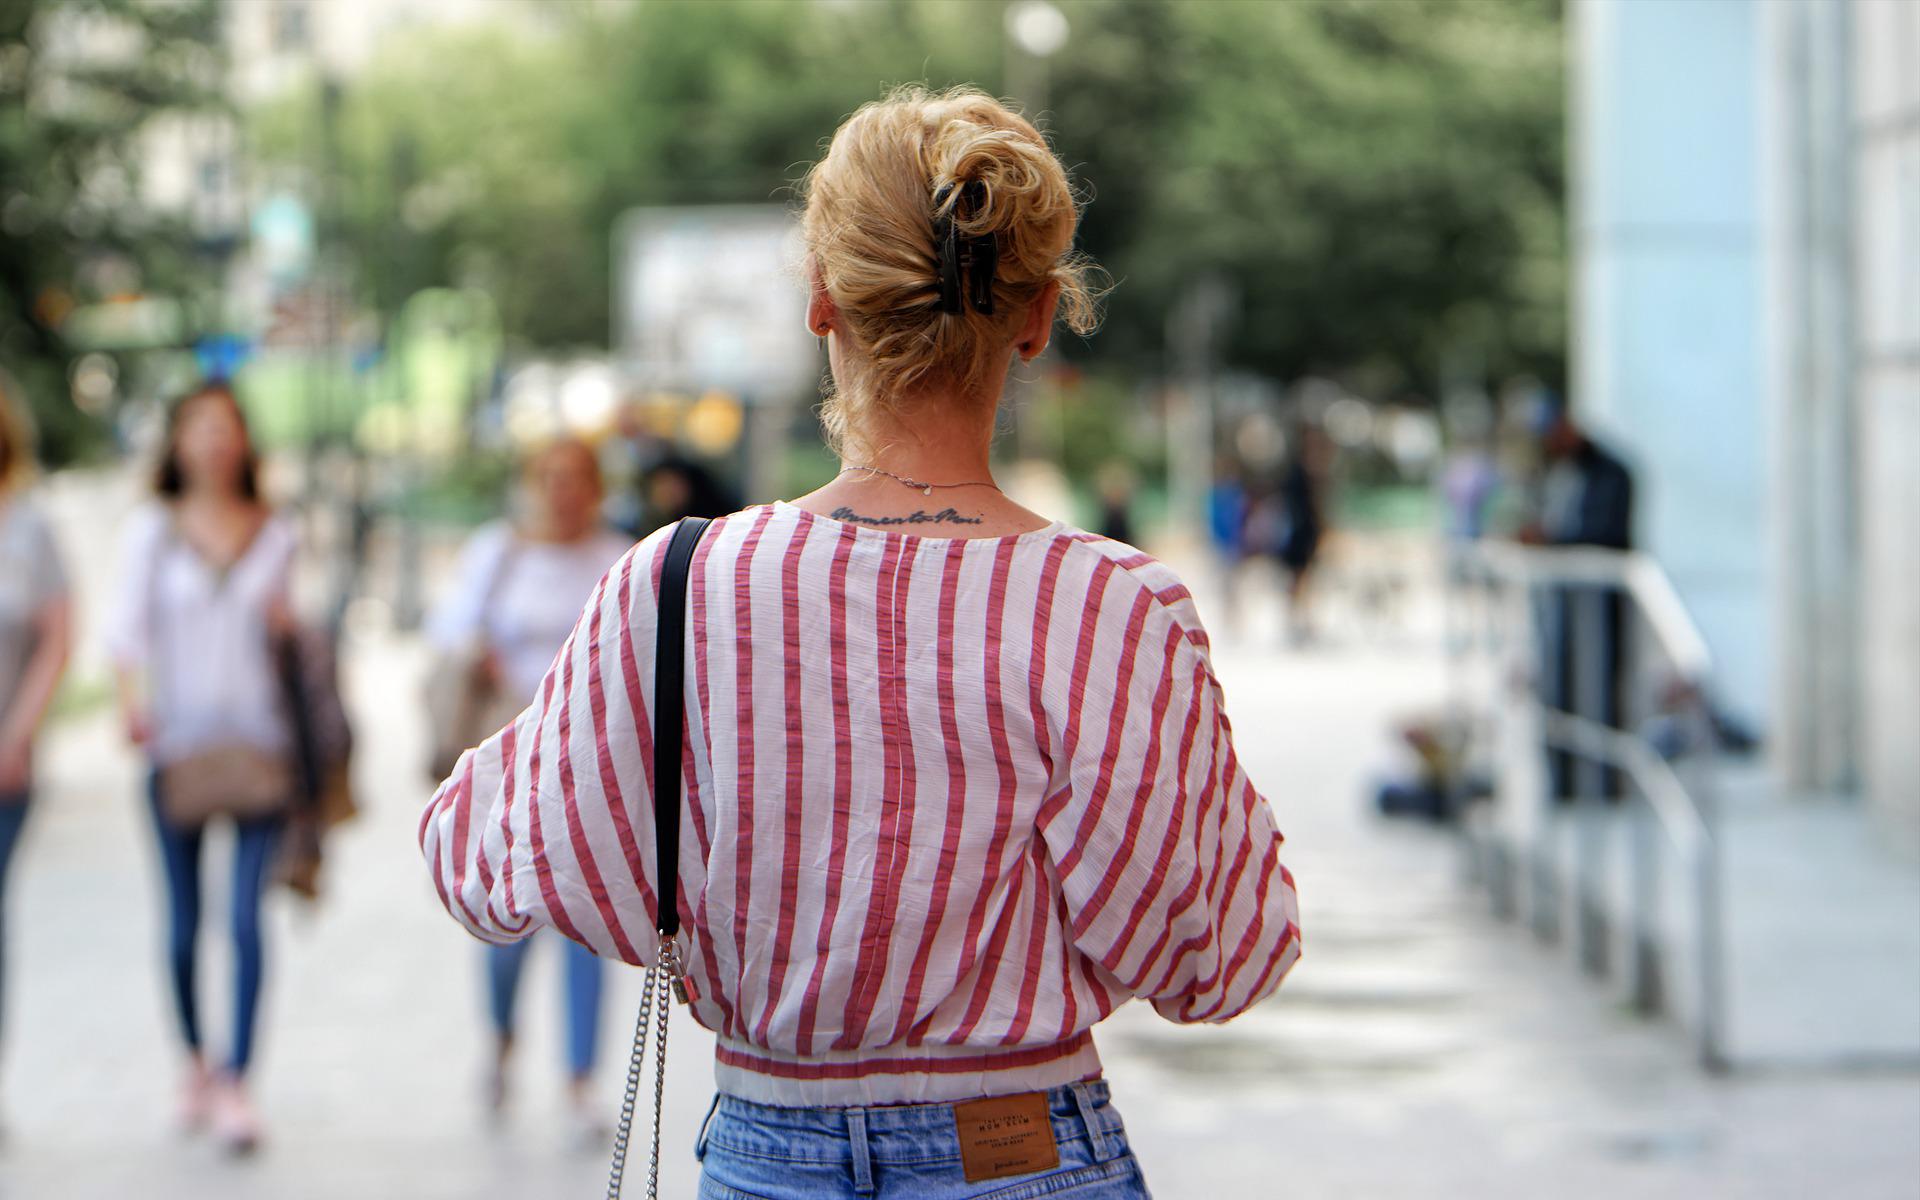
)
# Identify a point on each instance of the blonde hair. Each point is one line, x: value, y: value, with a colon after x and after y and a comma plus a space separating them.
x: 895, y: 168
x: 536, y: 459
x: 16, y: 439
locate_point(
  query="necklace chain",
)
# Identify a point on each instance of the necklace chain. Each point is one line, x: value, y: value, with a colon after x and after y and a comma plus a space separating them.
x: 919, y: 485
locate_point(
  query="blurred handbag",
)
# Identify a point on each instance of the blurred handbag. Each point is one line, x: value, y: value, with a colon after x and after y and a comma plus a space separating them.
x: 235, y: 781
x: 308, y: 660
x: 466, y: 703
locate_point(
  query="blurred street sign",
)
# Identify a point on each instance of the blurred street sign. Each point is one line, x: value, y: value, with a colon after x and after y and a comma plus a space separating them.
x: 283, y: 239
x: 713, y: 298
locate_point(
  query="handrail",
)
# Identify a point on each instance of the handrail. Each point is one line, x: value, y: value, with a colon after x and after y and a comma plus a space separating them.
x: 1668, y: 617
x: 1683, y: 813
x: 1658, y: 781
x: 1634, y: 572
x: 1641, y: 578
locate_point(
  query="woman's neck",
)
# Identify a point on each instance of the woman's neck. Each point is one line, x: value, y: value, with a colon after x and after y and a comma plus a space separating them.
x: 558, y: 533
x: 950, y: 449
x: 211, y: 496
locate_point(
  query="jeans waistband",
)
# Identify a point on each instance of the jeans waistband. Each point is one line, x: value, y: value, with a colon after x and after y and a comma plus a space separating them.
x: 900, y: 1131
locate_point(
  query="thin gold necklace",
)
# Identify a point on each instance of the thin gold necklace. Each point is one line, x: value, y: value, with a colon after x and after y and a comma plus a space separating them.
x: 924, y: 488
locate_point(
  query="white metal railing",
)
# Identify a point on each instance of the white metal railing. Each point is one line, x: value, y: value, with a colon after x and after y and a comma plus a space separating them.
x: 1503, y: 600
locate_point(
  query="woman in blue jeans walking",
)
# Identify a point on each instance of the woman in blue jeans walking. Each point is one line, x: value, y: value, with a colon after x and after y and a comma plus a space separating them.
x: 35, y: 625
x: 516, y: 590
x: 958, y: 779
x: 203, y: 598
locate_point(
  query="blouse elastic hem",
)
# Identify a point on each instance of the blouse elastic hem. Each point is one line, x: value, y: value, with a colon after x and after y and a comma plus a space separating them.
x: 899, y: 1074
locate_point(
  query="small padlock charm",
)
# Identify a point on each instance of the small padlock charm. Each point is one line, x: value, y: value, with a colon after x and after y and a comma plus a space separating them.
x: 675, y: 970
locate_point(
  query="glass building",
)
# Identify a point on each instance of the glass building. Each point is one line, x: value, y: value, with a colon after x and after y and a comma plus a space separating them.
x: 1746, y: 183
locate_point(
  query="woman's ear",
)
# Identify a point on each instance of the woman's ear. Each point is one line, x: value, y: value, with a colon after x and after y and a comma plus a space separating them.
x: 822, y: 317
x: 1031, y: 341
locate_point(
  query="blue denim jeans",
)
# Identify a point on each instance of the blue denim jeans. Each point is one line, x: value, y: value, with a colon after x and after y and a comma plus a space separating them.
x: 253, y: 845
x: 13, y: 816
x: 583, y: 975
x: 758, y: 1152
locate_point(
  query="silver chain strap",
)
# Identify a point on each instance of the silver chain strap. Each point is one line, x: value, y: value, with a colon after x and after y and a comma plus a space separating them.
x: 665, y: 979
x: 675, y: 975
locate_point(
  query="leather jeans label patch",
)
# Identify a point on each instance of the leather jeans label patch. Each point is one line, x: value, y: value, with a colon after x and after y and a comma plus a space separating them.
x: 1005, y: 1135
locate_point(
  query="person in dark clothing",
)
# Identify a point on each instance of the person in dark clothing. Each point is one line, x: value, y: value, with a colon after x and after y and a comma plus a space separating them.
x: 1588, y: 493
x: 675, y: 487
x: 1302, y: 524
x: 1116, y: 503
x: 1586, y: 500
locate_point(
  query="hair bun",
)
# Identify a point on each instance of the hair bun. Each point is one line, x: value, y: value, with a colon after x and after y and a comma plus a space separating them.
x: 877, y: 206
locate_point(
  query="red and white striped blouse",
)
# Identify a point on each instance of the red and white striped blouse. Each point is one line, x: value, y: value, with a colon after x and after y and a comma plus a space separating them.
x: 950, y: 802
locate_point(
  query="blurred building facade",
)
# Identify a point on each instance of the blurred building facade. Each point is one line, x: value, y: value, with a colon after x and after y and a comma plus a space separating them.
x: 1746, y: 191
x: 192, y: 162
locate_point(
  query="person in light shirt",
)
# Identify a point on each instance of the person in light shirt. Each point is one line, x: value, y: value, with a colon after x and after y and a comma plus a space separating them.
x: 36, y: 621
x: 203, y: 593
x: 517, y: 589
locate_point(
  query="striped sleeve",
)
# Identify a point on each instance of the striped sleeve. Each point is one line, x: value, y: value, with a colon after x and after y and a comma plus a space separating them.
x: 1168, y: 858
x: 543, y: 823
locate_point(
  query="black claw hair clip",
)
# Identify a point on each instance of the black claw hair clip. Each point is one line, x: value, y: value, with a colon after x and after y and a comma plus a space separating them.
x: 975, y: 262
x: 946, y: 241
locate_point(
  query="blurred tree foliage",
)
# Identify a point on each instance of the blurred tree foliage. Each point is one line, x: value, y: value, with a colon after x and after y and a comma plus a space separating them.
x: 1379, y: 182
x: 79, y: 82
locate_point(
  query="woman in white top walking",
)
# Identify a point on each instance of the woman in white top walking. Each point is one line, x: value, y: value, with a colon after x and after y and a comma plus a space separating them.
x: 35, y: 630
x: 203, y: 597
x: 959, y: 782
x: 517, y: 592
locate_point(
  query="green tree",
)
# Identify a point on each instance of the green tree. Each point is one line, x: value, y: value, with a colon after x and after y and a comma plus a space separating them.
x: 79, y: 81
x: 1380, y: 181
x: 493, y: 157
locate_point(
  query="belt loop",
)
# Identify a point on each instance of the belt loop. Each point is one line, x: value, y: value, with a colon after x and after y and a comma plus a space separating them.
x: 1096, y: 1136
x: 862, y: 1156
x: 706, y: 1123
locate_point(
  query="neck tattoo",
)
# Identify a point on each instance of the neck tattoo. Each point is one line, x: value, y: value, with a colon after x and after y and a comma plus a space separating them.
x: 919, y: 516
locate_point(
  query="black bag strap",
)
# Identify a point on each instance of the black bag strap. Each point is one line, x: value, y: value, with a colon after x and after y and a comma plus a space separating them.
x: 669, y: 711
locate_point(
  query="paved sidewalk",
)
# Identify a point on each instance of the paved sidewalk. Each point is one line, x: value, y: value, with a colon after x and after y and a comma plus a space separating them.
x: 1418, y: 1050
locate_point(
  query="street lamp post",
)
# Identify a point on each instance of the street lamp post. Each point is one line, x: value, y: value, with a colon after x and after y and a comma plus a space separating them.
x: 1036, y: 30
x: 1195, y: 329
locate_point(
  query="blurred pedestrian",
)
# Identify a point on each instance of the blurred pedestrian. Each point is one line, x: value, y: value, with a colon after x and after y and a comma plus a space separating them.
x: 35, y: 631
x: 1586, y: 499
x: 625, y: 454
x: 651, y: 483
x: 1302, y: 523
x: 1227, y: 506
x: 1468, y: 483
x: 196, y: 639
x: 1587, y: 493
x: 1116, y: 503
x: 958, y: 777
x: 514, y: 597
x: 677, y: 486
